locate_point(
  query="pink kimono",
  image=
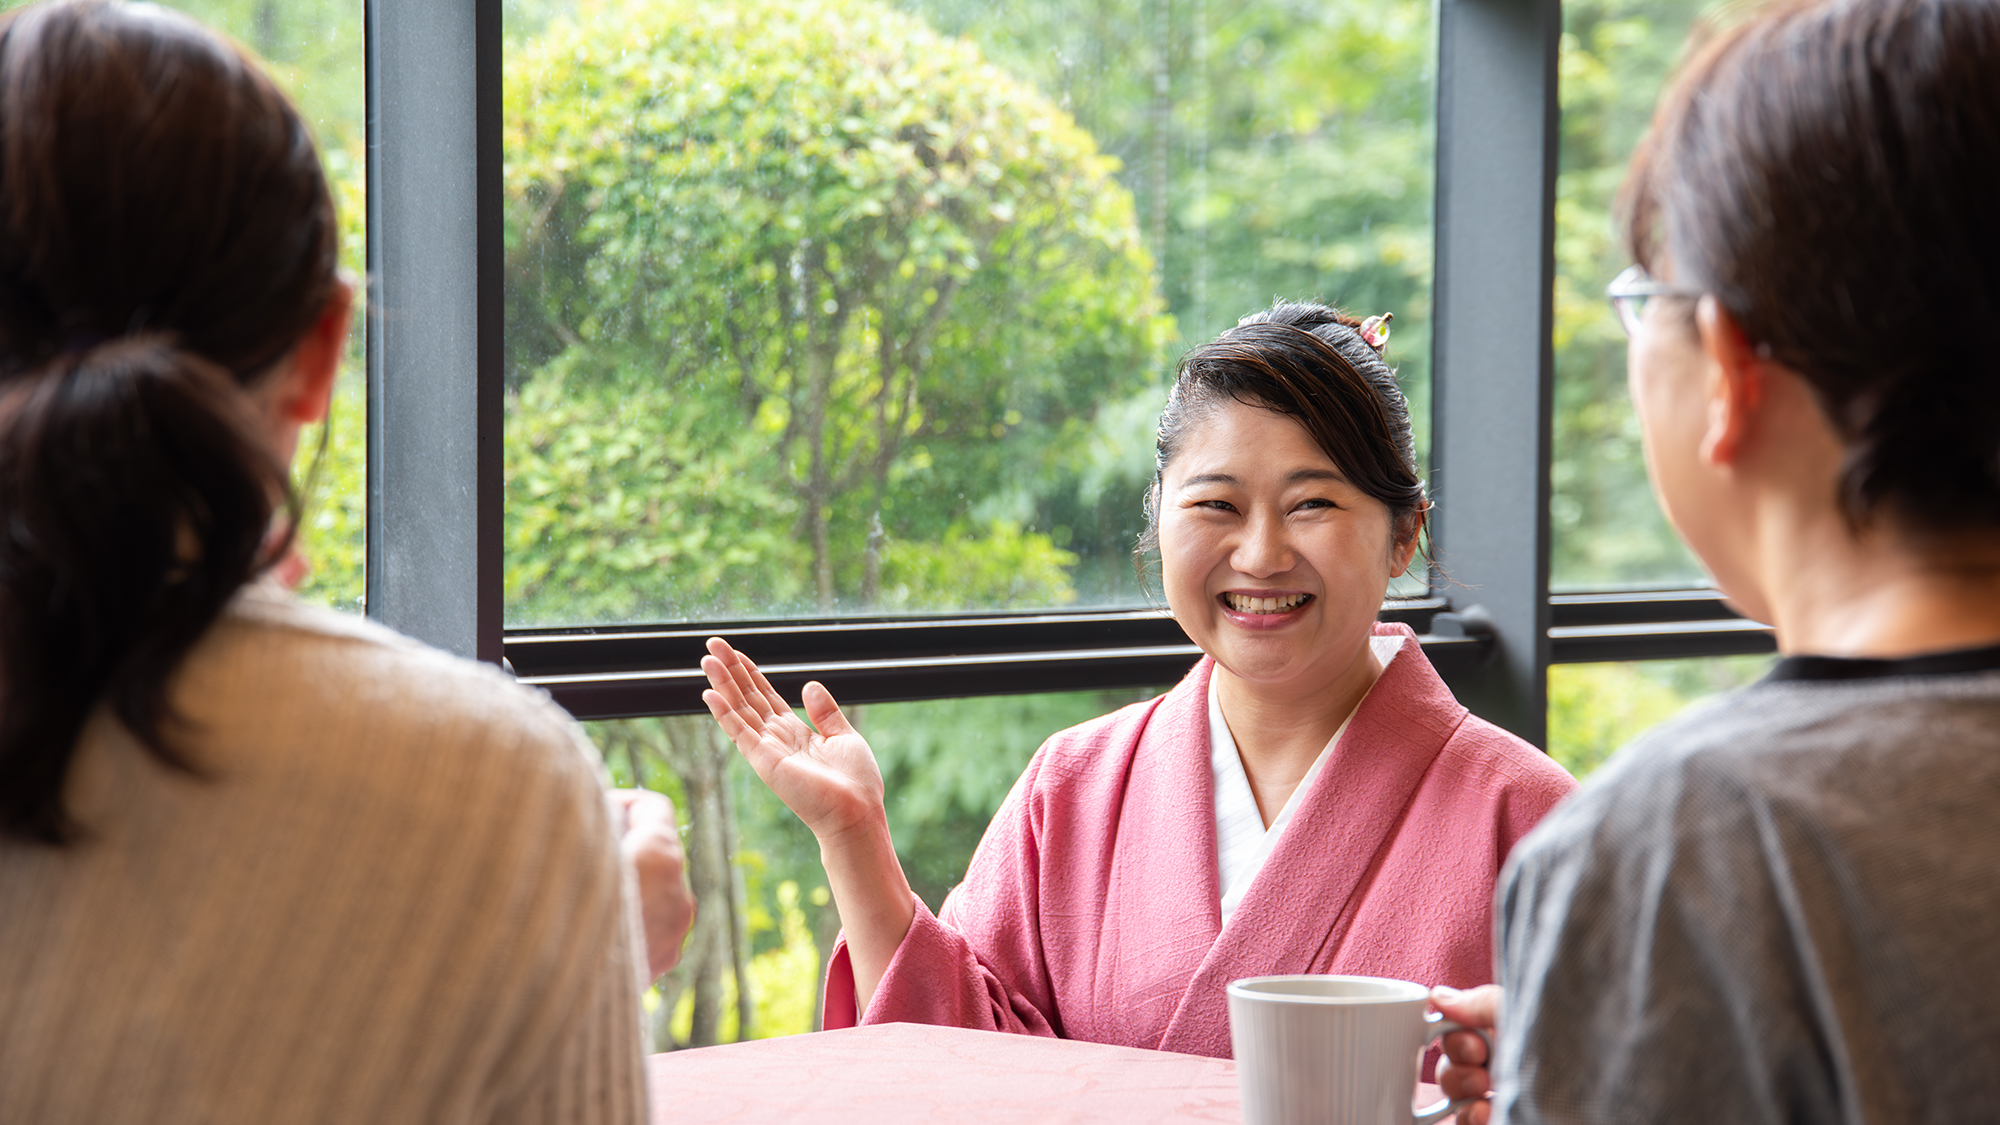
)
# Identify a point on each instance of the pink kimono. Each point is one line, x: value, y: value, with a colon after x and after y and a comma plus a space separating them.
x: 1092, y: 908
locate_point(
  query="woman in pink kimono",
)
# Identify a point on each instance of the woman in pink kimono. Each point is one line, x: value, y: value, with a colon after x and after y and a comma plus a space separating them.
x: 1310, y: 799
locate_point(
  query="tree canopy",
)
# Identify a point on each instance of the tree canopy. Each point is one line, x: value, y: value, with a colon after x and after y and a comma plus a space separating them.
x: 809, y: 308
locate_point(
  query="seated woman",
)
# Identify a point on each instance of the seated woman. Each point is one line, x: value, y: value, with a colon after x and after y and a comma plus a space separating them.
x: 1782, y: 905
x: 259, y: 862
x: 1309, y: 799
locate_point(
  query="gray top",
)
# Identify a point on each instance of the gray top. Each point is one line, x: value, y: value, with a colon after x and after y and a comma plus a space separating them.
x: 1783, y: 905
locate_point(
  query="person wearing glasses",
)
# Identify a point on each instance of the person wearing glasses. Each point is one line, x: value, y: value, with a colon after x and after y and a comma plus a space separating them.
x: 1309, y: 799
x: 259, y: 862
x: 1783, y: 905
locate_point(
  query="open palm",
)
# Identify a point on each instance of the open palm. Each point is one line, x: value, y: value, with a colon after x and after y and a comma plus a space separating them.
x: 827, y: 776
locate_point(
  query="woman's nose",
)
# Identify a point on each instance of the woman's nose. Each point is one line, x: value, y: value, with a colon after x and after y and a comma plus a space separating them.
x: 1263, y: 550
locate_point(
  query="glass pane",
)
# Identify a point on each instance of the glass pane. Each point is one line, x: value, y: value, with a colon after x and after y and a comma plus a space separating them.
x: 839, y: 306
x: 314, y: 50
x: 1607, y: 531
x: 1596, y: 708
x: 765, y: 916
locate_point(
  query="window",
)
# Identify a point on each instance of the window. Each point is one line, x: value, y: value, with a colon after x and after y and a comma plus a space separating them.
x: 1607, y: 531
x: 833, y: 307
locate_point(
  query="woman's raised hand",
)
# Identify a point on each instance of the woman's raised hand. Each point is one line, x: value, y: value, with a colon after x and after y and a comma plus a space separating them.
x: 828, y: 777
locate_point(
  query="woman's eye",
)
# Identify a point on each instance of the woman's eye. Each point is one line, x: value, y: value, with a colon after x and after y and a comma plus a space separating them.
x: 1215, y: 505
x: 1318, y: 503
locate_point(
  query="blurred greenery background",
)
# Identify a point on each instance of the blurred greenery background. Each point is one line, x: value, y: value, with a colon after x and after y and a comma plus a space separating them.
x: 843, y: 306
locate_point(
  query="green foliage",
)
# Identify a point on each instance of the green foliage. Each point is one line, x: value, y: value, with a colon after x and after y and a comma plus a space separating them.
x: 1607, y: 530
x: 832, y: 254
x: 331, y: 472
x: 1596, y: 708
x: 622, y: 503
x: 1274, y: 149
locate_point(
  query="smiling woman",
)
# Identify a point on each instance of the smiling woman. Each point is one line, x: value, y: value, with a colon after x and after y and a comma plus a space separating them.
x: 1286, y: 500
x: 1149, y: 857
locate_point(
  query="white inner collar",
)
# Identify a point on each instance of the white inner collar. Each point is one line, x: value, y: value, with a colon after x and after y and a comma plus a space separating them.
x: 1242, y: 841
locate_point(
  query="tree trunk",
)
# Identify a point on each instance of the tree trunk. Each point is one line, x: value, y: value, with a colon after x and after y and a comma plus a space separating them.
x: 739, y: 906
x: 871, y: 560
x: 266, y: 23
x: 692, y: 749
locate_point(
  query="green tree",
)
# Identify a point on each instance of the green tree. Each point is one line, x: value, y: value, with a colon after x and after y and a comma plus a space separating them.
x: 1274, y: 148
x: 832, y: 255
x: 1607, y: 531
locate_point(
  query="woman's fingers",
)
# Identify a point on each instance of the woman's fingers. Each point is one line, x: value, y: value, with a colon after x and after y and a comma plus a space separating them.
x: 725, y: 688
x: 727, y: 717
x: 1462, y: 1073
x: 771, y: 697
x: 745, y: 678
x: 1474, y: 1007
x: 825, y: 714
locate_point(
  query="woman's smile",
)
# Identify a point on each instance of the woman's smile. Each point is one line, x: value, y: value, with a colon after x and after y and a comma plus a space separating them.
x: 1272, y: 561
x: 1264, y: 609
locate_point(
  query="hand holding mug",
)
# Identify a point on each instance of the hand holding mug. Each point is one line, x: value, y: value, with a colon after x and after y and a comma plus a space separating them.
x: 1462, y: 1073
x: 1334, y: 1050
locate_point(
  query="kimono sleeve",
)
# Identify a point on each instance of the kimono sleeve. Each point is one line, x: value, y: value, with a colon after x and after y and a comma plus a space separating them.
x: 980, y: 965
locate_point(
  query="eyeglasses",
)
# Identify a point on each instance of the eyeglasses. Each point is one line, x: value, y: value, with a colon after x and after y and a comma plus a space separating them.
x: 1630, y: 290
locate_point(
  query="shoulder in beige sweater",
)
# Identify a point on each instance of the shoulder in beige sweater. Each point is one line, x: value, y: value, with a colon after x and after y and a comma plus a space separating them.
x: 392, y: 894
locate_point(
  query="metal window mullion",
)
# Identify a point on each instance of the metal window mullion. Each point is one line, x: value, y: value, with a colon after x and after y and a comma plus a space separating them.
x: 1497, y: 135
x: 435, y: 506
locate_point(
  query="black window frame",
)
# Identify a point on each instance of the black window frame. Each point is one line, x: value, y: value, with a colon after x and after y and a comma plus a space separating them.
x: 436, y: 418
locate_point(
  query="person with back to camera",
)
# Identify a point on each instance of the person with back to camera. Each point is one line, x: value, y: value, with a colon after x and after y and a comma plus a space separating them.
x: 1783, y: 905
x: 258, y: 862
x: 1309, y: 799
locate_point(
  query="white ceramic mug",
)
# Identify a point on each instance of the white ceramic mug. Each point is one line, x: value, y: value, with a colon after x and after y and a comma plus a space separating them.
x: 1327, y: 1050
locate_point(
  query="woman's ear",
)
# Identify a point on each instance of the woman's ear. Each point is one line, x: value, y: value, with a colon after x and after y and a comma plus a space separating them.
x: 1403, y: 548
x: 316, y: 362
x: 1735, y: 383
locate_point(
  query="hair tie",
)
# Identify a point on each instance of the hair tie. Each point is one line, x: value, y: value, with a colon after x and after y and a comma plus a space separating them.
x: 1375, y: 330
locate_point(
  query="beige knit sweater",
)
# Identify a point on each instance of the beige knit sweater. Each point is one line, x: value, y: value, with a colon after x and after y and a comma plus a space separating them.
x: 395, y: 896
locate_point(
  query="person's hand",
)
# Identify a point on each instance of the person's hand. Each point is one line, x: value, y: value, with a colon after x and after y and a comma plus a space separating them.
x: 828, y: 777
x: 652, y: 845
x: 1462, y: 1073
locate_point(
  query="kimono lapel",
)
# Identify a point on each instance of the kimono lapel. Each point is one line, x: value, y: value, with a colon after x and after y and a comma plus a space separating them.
x: 1162, y: 898
x: 1299, y: 907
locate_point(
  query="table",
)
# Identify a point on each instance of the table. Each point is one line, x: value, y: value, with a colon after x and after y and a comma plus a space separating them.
x: 897, y: 1073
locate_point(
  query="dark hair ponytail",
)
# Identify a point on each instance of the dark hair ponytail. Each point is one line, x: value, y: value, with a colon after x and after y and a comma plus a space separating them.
x: 166, y: 239
x: 138, y: 497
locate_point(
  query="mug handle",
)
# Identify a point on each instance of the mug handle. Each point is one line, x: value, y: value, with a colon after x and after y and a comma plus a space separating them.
x: 1437, y: 1028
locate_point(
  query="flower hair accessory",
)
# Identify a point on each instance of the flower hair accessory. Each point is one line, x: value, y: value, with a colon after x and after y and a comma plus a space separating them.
x: 1375, y: 330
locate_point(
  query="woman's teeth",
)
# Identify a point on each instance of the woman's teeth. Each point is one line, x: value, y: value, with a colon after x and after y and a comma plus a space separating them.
x: 1243, y: 603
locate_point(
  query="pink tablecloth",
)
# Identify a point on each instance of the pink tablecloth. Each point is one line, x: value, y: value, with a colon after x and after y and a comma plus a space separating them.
x: 890, y: 1074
